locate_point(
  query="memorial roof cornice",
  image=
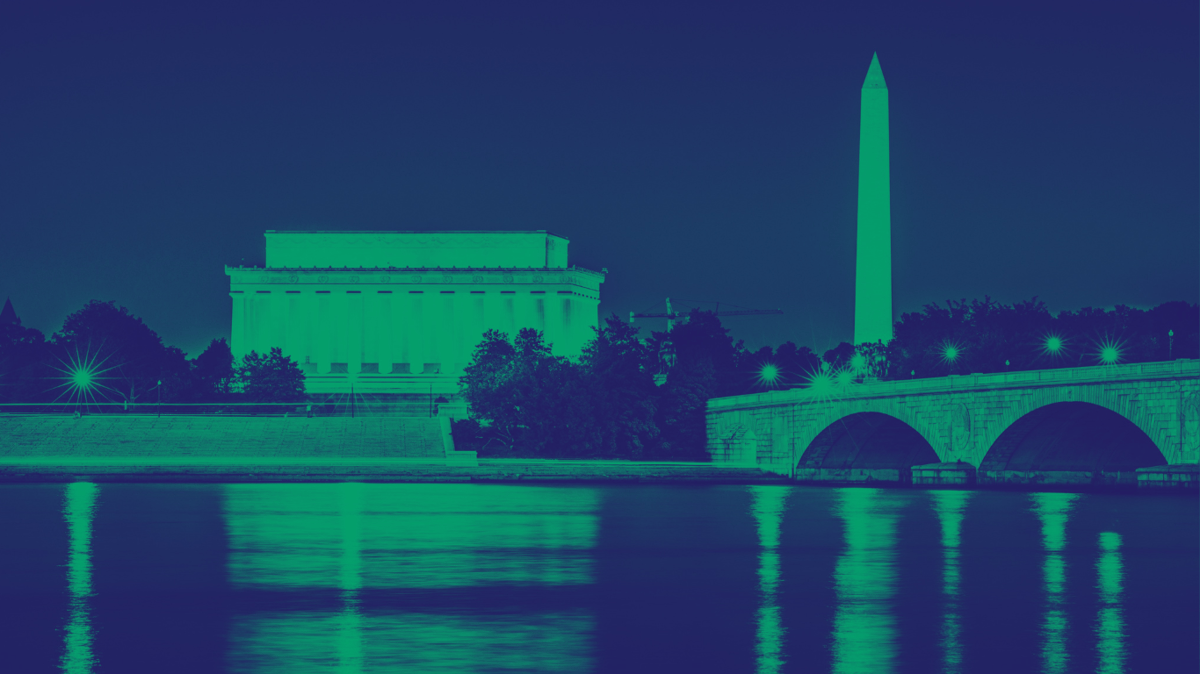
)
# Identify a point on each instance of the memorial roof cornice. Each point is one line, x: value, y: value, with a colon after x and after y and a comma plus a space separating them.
x: 493, y: 270
x: 413, y: 231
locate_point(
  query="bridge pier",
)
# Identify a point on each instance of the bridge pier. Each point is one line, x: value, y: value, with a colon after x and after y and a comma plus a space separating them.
x: 1184, y: 477
x: 943, y: 474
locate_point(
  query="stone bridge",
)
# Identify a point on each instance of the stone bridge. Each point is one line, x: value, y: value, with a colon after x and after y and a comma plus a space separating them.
x: 1065, y: 426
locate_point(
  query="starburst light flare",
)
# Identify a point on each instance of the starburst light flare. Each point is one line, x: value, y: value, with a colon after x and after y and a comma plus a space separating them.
x: 951, y: 352
x: 1110, y: 351
x: 768, y: 375
x: 1053, y: 345
x: 82, y: 378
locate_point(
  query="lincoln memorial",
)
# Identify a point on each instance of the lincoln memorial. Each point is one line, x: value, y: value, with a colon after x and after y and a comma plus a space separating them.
x: 399, y: 312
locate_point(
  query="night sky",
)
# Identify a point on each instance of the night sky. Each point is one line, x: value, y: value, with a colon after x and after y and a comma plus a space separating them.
x: 698, y: 152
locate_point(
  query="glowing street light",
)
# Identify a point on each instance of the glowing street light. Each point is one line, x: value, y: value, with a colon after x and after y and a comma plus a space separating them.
x: 951, y: 352
x: 1053, y: 345
x: 768, y: 375
x: 858, y: 363
x: 821, y: 383
x: 1110, y: 352
x: 81, y: 378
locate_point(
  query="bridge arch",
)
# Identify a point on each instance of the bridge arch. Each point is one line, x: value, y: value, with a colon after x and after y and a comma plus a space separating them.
x: 1126, y: 405
x: 1089, y: 441
x: 866, y: 445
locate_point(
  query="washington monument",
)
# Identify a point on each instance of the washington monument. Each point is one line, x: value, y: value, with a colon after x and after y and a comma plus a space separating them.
x: 873, y: 267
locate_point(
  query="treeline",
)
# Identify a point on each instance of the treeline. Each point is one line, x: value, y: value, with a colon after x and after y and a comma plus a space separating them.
x: 526, y: 402
x: 102, y: 352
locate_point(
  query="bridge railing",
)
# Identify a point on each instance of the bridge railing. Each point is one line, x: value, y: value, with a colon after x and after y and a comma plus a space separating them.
x: 1026, y: 378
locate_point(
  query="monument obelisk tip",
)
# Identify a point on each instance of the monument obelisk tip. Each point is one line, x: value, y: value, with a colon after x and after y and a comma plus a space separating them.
x: 874, y: 78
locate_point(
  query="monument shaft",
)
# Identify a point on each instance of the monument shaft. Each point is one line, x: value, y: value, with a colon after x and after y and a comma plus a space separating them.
x: 873, y: 266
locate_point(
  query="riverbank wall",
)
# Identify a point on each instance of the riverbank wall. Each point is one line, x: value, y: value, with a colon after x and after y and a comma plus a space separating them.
x: 36, y: 448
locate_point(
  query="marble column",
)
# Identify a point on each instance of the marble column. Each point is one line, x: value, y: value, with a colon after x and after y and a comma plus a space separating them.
x: 552, y: 319
x: 387, y: 344
x: 323, y: 331
x: 415, y: 330
x: 355, y: 333
x: 237, y: 331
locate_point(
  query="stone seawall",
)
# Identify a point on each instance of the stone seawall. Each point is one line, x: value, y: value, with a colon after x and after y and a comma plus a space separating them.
x: 296, y: 449
x: 214, y: 437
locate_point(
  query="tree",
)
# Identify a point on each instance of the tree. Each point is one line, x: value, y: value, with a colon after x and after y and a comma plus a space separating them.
x: 271, y: 378
x: 681, y: 410
x: 702, y: 338
x: 796, y: 364
x: 213, y: 372
x: 839, y: 357
x: 988, y: 336
x: 529, y: 399
x: 621, y: 386
x: 129, y: 357
x: 488, y: 387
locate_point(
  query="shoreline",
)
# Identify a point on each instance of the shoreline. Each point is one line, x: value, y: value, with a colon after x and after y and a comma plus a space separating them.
x: 371, y: 469
x: 184, y: 470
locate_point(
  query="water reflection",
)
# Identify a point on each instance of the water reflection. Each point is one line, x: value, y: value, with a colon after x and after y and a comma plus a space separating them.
x: 864, y: 630
x: 79, y: 504
x: 950, y: 506
x: 350, y: 579
x: 1110, y: 623
x: 368, y: 538
x: 768, y: 510
x: 1053, y: 510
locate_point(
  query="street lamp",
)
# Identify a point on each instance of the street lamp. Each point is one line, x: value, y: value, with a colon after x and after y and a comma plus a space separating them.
x: 1170, y: 344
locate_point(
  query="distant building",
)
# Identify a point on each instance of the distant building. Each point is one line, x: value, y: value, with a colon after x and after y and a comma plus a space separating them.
x: 8, y: 315
x: 397, y: 312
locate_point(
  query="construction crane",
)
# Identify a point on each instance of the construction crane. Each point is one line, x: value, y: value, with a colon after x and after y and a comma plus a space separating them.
x: 673, y: 316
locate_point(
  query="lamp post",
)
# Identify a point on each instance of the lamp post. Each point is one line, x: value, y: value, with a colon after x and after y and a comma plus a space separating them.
x: 159, y: 387
x: 1170, y: 344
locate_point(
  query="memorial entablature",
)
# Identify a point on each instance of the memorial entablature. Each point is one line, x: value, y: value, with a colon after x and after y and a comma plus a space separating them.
x: 401, y: 312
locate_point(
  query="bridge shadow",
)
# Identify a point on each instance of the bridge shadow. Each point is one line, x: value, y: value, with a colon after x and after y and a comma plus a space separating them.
x: 1070, y: 443
x: 865, y: 447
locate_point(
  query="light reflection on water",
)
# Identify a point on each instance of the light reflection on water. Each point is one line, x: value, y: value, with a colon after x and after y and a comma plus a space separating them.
x: 415, y: 536
x: 323, y: 572
x: 1110, y: 623
x: 350, y: 580
x: 79, y: 505
x: 1053, y: 510
x: 864, y: 627
x: 768, y: 507
x: 950, y: 507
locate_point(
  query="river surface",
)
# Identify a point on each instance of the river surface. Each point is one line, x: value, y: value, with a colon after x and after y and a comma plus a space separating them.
x: 299, y: 578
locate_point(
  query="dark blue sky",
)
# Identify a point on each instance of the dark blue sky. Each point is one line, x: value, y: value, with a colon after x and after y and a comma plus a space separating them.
x: 697, y: 152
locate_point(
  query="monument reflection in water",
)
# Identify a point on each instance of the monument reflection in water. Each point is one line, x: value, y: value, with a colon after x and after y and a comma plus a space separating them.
x: 864, y: 628
x: 431, y: 538
x: 458, y: 577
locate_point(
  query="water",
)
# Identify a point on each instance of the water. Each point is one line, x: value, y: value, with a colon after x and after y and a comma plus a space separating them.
x: 508, y: 578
